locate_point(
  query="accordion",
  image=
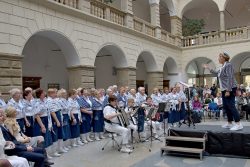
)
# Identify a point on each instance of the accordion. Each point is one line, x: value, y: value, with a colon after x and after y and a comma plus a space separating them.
x: 123, y: 118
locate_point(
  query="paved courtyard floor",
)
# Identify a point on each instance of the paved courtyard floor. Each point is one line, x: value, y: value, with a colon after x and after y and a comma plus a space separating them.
x: 91, y: 155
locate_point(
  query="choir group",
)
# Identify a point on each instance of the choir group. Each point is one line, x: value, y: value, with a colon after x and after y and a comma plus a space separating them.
x: 60, y: 120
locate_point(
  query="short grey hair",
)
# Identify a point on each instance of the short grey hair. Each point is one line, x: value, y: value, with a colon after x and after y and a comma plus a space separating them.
x: 14, y: 91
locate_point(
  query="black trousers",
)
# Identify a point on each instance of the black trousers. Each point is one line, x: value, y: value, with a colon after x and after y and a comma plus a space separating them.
x: 229, y: 106
x: 36, y: 156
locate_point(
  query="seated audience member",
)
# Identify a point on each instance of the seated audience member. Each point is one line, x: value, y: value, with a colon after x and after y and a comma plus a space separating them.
x: 207, y: 100
x: 8, y: 161
x: 14, y: 128
x: 32, y: 154
x: 218, y: 101
x: 196, y: 105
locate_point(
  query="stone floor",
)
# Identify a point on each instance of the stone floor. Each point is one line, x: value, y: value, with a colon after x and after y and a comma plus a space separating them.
x: 91, y: 155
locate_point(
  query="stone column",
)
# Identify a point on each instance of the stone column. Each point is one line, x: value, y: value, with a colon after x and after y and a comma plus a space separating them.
x: 10, y: 73
x: 155, y: 17
x: 222, y: 27
x: 84, y: 5
x: 81, y: 76
x: 154, y: 79
x: 127, y: 6
x: 126, y: 77
x: 176, y: 25
x: 222, y: 21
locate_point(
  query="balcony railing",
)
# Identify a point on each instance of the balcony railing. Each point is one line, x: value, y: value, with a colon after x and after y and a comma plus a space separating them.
x: 71, y: 3
x: 217, y: 37
x: 104, y: 11
x: 144, y: 27
x: 167, y: 37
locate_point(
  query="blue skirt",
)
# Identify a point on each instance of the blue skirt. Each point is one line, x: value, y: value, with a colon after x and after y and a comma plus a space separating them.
x: 85, y: 127
x: 29, y: 131
x: 57, y: 132
x: 173, y: 116
x: 98, y: 121
x: 75, y: 129
x: 182, y: 111
x: 21, y: 123
x: 66, y: 127
x: 46, y: 135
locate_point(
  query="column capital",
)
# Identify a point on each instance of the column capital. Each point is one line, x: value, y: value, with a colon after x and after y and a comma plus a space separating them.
x: 126, y: 68
x: 10, y: 56
x: 154, y: 2
x: 155, y: 72
x: 77, y: 67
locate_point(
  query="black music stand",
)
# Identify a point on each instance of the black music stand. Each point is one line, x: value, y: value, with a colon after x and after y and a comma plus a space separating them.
x: 189, y: 113
x: 140, y: 123
x: 151, y: 137
x: 162, y: 111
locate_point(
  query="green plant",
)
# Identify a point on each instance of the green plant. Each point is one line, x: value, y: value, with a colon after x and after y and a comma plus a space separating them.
x: 192, y: 27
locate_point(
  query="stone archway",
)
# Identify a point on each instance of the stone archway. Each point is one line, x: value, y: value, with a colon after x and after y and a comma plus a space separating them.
x: 146, y: 72
x: 241, y: 64
x: 48, y: 55
x: 170, y: 72
x: 197, y: 74
x: 111, y: 67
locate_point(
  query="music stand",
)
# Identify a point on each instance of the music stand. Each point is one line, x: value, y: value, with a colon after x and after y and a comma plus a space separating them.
x: 162, y: 111
x: 151, y: 137
x: 189, y: 114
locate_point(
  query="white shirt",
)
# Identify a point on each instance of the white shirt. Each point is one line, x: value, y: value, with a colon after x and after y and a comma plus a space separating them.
x: 2, y: 103
x: 19, y: 108
x: 74, y: 107
x: 218, y: 100
x: 110, y: 111
x: 222, y: 89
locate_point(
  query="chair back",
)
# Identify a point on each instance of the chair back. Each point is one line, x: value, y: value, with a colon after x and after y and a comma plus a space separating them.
x: 213, y: 106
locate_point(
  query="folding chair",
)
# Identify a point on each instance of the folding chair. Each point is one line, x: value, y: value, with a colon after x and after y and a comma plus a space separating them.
x: 214, y: 108
x: 113, y: 140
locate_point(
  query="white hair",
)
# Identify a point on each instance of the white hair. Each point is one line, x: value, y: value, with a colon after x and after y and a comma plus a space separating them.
x: 140, y: 88
x: 14, y: 91
x: 108, y: 90
x: 28, y: 89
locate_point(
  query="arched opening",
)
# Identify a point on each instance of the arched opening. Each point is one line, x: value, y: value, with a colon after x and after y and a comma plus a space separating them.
x: 241, y: 63
x: 141, y: 9
x: 203, y: 9
x: 47, y: 54
x: 108, y: 59
x: 198, y: 75
x: 170, y: 73
x: 145, y: 63
x: 237, y: 13
x: 165, y: 13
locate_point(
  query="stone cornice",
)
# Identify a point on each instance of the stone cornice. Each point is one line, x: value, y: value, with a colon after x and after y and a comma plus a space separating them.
x: 159, y: 72
x: 9, y: 56
x: 81, y: 67
x: 215, y: 44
